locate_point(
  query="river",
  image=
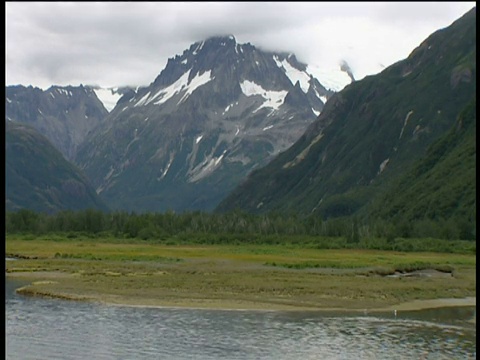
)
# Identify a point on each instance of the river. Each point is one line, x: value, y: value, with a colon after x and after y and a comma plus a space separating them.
x: 38, y: 328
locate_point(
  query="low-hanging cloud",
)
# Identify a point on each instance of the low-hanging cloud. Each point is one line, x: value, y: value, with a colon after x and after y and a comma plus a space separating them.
x: 128, y: 43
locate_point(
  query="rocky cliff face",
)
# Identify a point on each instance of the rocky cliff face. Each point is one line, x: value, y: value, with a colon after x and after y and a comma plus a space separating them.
x: 65, y: 115
x: 214, y: 113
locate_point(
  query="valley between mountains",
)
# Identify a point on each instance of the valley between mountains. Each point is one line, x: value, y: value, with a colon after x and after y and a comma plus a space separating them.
x: 227, y: 126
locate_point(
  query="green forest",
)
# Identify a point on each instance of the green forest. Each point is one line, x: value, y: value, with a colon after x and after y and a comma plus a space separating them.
x: 238, y: 227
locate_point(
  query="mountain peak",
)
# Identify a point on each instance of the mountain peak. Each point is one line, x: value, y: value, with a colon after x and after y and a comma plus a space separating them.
x: 213, y: 41
x: 222, y: 39
x: 215, y: 112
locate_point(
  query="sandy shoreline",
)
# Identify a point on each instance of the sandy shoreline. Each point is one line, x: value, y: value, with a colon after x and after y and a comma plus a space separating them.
x: 34, y: 289
x: 408, y: 306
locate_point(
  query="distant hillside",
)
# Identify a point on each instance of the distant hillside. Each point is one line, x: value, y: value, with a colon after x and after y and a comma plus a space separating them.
x: 370, y: 136
x: 37, y: 176
x: 65, y: 115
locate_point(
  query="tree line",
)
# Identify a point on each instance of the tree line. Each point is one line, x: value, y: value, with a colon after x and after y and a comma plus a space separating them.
x: 122, y: 224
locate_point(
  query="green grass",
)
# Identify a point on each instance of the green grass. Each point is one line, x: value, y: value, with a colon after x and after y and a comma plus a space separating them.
x: 272, y: 242
x: 149, y: 273
x: 290, y: 255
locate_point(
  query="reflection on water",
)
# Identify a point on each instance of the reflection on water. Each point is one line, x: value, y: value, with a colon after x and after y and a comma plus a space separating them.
x: 56, y: 329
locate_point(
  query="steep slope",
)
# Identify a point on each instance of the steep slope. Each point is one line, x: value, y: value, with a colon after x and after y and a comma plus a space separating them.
x: 213, y: 114
x: 65, y: 115
x: 441, y: 185
x: 371, y: 132
x: 37, y: 176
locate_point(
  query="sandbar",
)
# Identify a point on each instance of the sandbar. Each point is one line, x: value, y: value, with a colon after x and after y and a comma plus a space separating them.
x: 222, y: 302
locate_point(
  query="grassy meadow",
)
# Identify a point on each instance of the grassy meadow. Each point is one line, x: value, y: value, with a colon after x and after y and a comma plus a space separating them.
x: 252, y: 276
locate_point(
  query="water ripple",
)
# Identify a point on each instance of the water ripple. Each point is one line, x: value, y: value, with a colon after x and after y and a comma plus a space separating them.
x: 56, y: 329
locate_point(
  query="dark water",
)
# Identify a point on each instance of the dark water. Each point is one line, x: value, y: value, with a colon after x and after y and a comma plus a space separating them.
x: 56, y: 329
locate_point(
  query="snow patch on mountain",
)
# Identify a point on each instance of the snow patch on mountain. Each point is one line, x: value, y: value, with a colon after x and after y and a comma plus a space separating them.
x: 332, y: 78
x: 383, y: 165
x: 199, y: 47
x: 205, y: 168
x: 273, y: 99
x: 405, y: 122
x: 63, y: 91
x: 182, y: 84
x: 196, y: 82
x: 165, y: 171
x: 171, y: 90
x: 142, y: 100
x: 108, y: 97
x: 293, y: 74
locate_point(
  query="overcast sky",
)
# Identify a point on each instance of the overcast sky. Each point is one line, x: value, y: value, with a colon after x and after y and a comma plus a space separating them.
x: 128, y: 43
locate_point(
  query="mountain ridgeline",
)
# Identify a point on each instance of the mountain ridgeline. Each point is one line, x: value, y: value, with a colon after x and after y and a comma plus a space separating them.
x: 226, y: 127
x: 65, y: 115
x: 216, y: 112
x: 39, y: 178
x: 399, y: 145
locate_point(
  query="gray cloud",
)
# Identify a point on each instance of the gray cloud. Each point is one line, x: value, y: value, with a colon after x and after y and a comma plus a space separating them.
x: 128, y: 43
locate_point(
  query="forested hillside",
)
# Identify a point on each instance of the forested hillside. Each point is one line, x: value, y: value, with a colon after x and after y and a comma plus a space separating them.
x: 381, y: 131
x: 39, y: 178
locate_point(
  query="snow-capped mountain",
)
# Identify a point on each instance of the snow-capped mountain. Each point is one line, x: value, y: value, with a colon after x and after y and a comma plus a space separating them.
x: 215, y: 113
x: 398, y: 145
x: 334, y: 78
